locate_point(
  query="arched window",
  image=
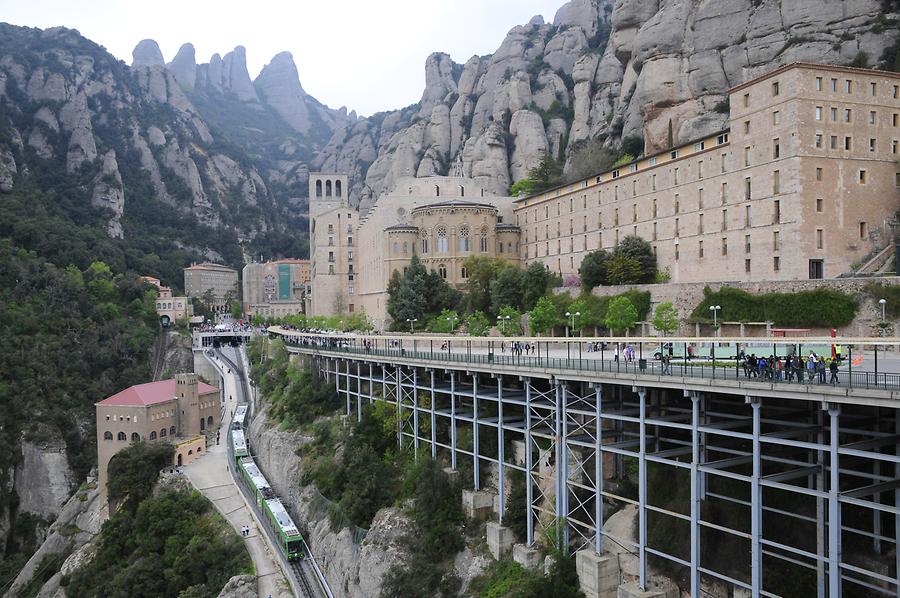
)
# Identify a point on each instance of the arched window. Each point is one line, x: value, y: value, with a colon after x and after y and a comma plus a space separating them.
x: 424, y: 242
x: 437, y: 190
x: 135, y: 437
x: 191, y: 452
x: 442, y: 271
x: 484, y: 240
x: 199, y: 449
x: 337, y: 188
x: 405, y: 247
x: 464, y: 245
x: 396, y: 247
x: 202, y: 424
x: 107, y: 436
x: 209, y: 421
x: 327, y: 188
x: 172, y: 431
x: 153, y: 435
x: 462, y: 191
x: 121, y: 436
x: 162, y: 433
x: 442, y: 239
x: 318, y: 188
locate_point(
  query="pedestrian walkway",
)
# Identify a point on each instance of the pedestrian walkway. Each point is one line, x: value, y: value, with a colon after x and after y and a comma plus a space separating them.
x: 211, y: 476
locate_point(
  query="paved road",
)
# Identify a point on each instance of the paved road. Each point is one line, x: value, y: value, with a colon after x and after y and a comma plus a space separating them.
x: 211, y: 476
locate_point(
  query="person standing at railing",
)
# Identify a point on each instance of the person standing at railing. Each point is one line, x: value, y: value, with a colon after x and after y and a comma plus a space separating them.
x: 820, y: 367
x: 834, y: 372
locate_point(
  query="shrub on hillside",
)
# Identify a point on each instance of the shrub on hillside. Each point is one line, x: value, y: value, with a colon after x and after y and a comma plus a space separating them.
x: 820, y: 308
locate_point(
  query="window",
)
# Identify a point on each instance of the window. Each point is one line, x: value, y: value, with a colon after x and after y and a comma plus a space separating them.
x: 677, y: 204
x: 747, y: 216
x: 862, y: 177
x: 676, y: 252
x: 776, y: 118
x: 816, y: 269
x: 349, y: 240
x: 894, y: 119
x: 634, y: 213
x: 121, y: 436
x: 833, y: 142
x: 776, y: 182
x: 776, y: 217
x: 163, y: 433
x: 700, y: 224
x: 833, y: 114
x: 746, y: 243
x: 673, y: 154
x: 863, y: 231
x: 700, y: 169
x: 723, y: 138
x: 135, y: 437
x: 776, y: 148
x: 676, y: 176
x: 654, y: 231
x: 442, y: 271
x: 834, y: 85
x: 654, y: 208
x: 848, y: 86
x: 848, y: 143
x: 746, y: 100
x: 897, y: 179
x: 484, y: 240
x: 724, y: 193
x: 848, y: 115
x: 700, y: 248
x: 896, y: 91
x: 747, y: 188
x: 153, y: 435
x: 442, y: 239
x: 463, y: 273
x: 776, y: 88
x: 894, y: 146
x: 819, y: 140
x: 676, y: 227
x: 107, y: 435
x: 820, y: 238
x: 873, y: 117
x: 724, y: 245
x: 700, y: 198
x: 653, y: 182
x: 818, y: 174
x: 464, y: 239
x: 820, y: 205
x: 872, y: 144
x: 747, y: 265
x: 818, y: 113
x: 872, y: 89
x: 724, y: 219
x: 747, y: 156
x: 746, y: 127
x: 818, y: 83
x: 776, y: 241
x: 776, y: 263
x: 425, y: 244
x: 699, y: 146
x: 722, y: 165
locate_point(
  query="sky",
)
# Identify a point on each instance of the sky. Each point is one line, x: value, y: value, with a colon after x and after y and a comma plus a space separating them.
x: 368, y: 55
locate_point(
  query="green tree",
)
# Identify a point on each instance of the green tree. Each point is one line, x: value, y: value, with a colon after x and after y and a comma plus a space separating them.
x: 445, y: 322
x: 507, y: 289
x: 544, y: 316
x: 593, y: 269
x: 621, y: 314
x: 639, y: 249
x: 665, y: 318
x: 547, y: 174
x: 511, y: 320
x: 623, y: 269
x: 134, y: 470
x: 538, y: 281
x: 579, y: 306
x: 482, y: 271
x: 410, y: 299
x: 477, y: 324
x: 589, y: 158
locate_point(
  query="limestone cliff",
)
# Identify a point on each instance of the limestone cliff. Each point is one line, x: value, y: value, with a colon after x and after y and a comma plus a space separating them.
x: 604, y: 69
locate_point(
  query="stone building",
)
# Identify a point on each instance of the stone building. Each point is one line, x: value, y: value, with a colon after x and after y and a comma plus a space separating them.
x: 178, y: 411
x: 332, y: 245
x: 172, y: 309
x: 276, y: 288
x: 804, y: 184
x: 221, y: 280
x: 444, y: 220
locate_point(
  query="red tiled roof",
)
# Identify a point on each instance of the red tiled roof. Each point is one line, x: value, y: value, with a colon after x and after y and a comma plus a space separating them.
x: 151, y: 393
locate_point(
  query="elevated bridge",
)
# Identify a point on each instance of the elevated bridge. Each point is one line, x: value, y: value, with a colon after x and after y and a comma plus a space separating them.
x: 748, y: 480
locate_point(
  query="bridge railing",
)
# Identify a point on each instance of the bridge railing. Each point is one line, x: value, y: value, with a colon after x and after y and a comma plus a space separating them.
x: 697, y: 358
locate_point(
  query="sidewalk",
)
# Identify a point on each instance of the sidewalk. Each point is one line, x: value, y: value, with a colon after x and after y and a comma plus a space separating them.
x: 211, y: 476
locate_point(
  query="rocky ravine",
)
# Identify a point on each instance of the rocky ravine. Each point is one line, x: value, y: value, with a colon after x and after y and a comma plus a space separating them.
x: 606, y: 69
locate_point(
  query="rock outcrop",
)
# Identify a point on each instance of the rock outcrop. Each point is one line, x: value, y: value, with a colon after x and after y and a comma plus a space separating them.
x: 279, y: 86
x: 184, y: 66
x: 43, y: 478
x: 603, y: 70
x: 147, y: 53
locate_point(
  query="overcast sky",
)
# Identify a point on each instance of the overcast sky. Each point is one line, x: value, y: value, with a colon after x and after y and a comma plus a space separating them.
x: 366, y: 54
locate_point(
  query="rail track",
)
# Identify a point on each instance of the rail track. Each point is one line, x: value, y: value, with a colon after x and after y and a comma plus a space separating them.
x: 299, y: 570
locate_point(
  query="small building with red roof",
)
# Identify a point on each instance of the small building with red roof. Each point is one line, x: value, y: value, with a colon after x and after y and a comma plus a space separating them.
x: 174, y: 411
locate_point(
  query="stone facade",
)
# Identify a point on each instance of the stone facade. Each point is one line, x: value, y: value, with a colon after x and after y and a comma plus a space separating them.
x: 173, y: 308
x: 276, y: 288
x: 175, y: 411
x: 444, y: 220
x: 221, y: 280
x: 803, y: 184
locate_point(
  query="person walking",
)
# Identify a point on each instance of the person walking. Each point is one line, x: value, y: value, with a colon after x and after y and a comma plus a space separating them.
x: 820, y: 366
x: 834, y: 372
x: 811, y: 368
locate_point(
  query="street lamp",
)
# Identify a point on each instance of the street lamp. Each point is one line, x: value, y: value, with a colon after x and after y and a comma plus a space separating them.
x: 412, y: 323
x: 572, y: 317
x: 882, y: 302
x: 502, y: 321
x: 451, y: 319
x: 715, y: 309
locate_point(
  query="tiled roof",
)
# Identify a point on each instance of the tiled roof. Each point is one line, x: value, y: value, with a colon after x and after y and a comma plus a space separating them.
x: 151, y: 393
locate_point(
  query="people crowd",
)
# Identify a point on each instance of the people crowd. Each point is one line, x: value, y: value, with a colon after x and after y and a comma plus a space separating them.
x: 811, y: 369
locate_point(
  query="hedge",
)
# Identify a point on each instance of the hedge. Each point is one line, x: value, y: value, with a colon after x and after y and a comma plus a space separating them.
x: 821, y: 308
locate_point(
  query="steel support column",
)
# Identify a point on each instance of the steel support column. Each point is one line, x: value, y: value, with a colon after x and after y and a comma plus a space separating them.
x: 476, y: 477
x: 756, y: 505
x: 563, y: 466
x: 501, y: 490
x: 529, y: 496
x: 415, y: 402
x: 598, y: 471
x: 834, y: 506
x: 433, y: 426
x: 399, y: 410
x: 821, y: 540
x: 453, y: 419
x: 642, y: 489
x: 347, y: 383
x: 695, y: 494
x: 358, y: 392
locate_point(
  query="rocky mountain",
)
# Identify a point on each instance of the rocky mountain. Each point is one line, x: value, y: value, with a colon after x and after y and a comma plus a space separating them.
x: 602, y: 71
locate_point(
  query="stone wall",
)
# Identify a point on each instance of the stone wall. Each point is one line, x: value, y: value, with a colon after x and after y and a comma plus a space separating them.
x: 686, y: 296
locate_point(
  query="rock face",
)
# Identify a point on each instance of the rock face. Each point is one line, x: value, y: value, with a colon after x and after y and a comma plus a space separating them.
x: 239, y: 586
x: 43, y: 479
x: 279, y: 86
x: 109, y: 193
x: 603, y: 70
x: 147, y: 53
x: 184, y: 66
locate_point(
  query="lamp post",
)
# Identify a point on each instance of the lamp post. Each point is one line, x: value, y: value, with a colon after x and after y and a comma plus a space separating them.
x: 451, y: 319
x: 502, y: 321
x: 412, y: 323
x: 882, y: 302
x: 715, y: 309
x: 572, y: 317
